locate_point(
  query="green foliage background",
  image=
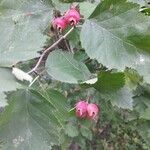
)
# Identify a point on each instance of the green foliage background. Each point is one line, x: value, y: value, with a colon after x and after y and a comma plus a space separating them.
x: 111, y: 43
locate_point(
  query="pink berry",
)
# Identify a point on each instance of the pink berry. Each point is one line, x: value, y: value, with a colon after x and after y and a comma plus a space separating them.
x: 72, y: 16
x: 92, y: 111
x: 59, y: 23
x: 81, y: 109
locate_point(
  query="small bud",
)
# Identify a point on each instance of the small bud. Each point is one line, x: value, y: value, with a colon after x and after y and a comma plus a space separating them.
x: 81, y: 109
x: 92, y: 111
x: 72, y: 16
x: 59, y: 23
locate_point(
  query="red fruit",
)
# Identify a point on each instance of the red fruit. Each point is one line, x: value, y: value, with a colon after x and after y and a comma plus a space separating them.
x: 81, y: 109
x: 92, y: 111
x: 59, y: 23
x: 72, y: 16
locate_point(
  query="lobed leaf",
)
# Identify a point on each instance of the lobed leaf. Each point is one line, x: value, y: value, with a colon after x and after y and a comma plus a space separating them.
x: 28, y: 122
x: 21, y: 26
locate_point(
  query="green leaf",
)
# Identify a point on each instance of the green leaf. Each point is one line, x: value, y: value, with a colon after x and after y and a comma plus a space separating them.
x: 122, y: 98
x: 59, y: 102
x: 86, y: 132
x: 141, y: 2
x: 3, y: 101
x: 80, y: 56
x: 112, y: 87
x: 28, y: 122
x: 144, y: 131
x: 8, y: 83
x: 22, y: 25
x: 74, y: 38
x: 108, y: 81
x: 139, y: 104
x: 87, y: 12
x: 63, y: 67
x: 71, y: 130
x: 117, y: 35
x: 132, y: 78
x: 60, y: 5
x: 146, y: 114
x: 142, y: 103
x: 144, y: 70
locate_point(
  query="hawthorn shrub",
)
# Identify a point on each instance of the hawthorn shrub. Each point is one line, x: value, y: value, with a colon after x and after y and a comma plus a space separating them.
x: 74, y: 75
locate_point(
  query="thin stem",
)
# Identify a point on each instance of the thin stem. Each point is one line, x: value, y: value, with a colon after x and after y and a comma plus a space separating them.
x: 71, y: 109
x: 34, y: 81
x: 49, y: 48
x: 88, y: 99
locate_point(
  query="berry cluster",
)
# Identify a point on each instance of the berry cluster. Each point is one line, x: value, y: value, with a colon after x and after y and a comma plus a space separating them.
x: 86, y: 110
x: 71, y: 17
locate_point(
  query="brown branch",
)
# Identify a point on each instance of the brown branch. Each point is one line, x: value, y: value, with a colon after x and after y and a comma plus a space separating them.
x: 48, y: 49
